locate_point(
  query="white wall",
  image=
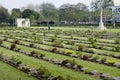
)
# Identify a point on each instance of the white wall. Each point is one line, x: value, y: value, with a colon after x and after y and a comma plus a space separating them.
x: 116, y: 2
x: 19, y: 22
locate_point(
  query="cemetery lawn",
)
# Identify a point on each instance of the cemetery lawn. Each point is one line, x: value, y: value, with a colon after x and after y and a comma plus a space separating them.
x: 8, y: 72
x: 54, y: 69
x: 102, y: 68
x: 68, y: 52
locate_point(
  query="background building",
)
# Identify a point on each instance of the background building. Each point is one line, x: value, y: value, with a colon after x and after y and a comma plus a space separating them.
x: 116, y: 10
x: 23, y: 22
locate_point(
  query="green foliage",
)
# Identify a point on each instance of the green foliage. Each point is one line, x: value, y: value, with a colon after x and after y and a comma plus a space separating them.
x: 94, y: 45
x: 92, y: 40
x: 117, y: 41
x: 4, y: 24
x: 95, y: 57
x: 16, y: 41
x: 103, y: 59
x: 44, y: 71
x: 73, y: 62
x: 49, y: 11
x: 27, y: 13
x: 87, y: 71
x: 16, y: 13
x: 12, y: 46
x: 81, y: 47
x: 117, y: 48
x: 33, y: 15
x: 53, y: 39
x: 111, y: 61
x: 70, y: 42
x: 96, y: 4
x: 71, y: 36
x: 69, y: 12
x: 1, y: 41
x: 4, y: 15
x: 91, y: 50
x: 58, y: 43
x: 31, y: 45
x: 14, y: 59
x: 86, y: 56
x: 69, y: 52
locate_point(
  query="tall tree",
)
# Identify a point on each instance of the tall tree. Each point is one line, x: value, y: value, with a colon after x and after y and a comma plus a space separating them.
x: 105, y: 4
x: 69, y: 12
x: 81, y: 7
x: 49, y: 11
x: 4, y: 15
x: 31, y: 7
x: 33, y: 15
x: 15, y: 13
x: 96, y: 4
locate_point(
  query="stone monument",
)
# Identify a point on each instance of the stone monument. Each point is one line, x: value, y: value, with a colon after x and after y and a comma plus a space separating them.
x: 101, y: 24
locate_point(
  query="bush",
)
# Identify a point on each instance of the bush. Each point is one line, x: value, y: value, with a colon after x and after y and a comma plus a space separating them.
x: 81, y: 47
x: 17, y: 41
x: 86, y: 56
x: 116, y: 48
x: 5, y: 39
x: 1, y: 42
x: 95, y: 57
x: 71, y: 37
x: 31, y: 45
x: 70, y: 42
x: 53, y: 39
x: 55, y: 35
x: 117, y: 41
x: 32, y: 53
x: 92, y: 50
x: 92, y: 40
x: 13, y: 58
x: 3, y: 24
x: 58, y: 43
x: 94, y: 45
x: 44, y: 72
x: 111, y: 62
x: 54, y: 49
x: 65, y: 62
x: 12, y: 46
x: 79, y: 53
x: 102, y: 60
x: 87, y: 71
x: 70, y: 52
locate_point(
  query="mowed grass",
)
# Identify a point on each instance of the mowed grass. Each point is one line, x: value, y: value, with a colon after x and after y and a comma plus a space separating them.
x: 54, y: 69
x: 78, y: 28
x: 8, y: 72
x: 92, y: 66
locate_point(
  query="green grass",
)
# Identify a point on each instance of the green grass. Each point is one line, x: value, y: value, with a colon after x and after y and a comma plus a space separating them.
x: 8, y: 72
x: 78, y: 28
x: 102, y: 68
x: 54, y: 69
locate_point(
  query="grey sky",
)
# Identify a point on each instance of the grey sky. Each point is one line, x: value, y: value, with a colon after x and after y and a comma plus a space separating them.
x: 20, y: 3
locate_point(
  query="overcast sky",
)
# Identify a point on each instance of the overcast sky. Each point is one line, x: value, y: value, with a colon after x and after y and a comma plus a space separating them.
x: 20, y: 3
x: 10, y: 4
